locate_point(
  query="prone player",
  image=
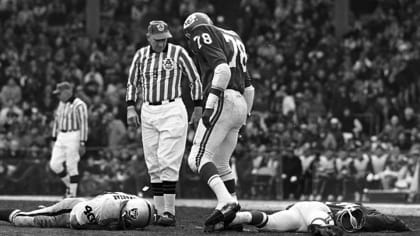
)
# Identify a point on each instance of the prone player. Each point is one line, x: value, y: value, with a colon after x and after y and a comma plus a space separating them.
x: 320, y: 219
x: 111, y: 211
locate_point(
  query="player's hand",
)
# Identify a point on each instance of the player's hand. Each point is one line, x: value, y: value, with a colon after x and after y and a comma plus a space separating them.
x: 196, y: 115
x: 82, y: 150
x: 211, y: 102
x: 132, y: 117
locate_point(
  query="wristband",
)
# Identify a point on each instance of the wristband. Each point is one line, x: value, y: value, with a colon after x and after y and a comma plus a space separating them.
x: 216, y: 91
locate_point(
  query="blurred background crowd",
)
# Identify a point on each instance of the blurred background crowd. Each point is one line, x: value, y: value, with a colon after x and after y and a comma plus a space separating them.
x: 330, y: 110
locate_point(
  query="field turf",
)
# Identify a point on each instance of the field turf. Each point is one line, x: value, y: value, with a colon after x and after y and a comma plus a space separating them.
x: 189, y: 222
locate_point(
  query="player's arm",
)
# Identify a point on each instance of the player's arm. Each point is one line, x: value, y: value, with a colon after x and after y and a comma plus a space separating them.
x: 205, y: 44
x: 131, y: 94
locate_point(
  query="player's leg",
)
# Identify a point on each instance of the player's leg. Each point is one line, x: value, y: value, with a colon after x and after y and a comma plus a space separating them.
x: 236, y: 109
x: 281, y: 221
x: 56, y: 215
x: 150, y: 138
x: 222, y: 161
x: 72, y: 161
x: 173, y: 135
x: 57, y: 163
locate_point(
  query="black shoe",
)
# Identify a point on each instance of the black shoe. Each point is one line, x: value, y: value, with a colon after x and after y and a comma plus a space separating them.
x: 167, y: 219
x: 226, y: 214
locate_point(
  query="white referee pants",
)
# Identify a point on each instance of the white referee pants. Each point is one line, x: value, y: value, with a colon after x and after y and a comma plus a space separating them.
x: 66, y: 150
x: 164, y: 134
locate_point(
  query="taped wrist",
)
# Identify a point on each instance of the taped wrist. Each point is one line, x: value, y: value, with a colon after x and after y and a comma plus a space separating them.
x: 221, y: 77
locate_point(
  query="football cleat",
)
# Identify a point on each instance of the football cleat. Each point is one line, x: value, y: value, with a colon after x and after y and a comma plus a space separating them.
x: 227, y: 213
x: 167, y: 219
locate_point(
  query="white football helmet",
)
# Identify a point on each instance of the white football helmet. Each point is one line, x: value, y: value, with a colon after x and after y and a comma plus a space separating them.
x: 137, y: 213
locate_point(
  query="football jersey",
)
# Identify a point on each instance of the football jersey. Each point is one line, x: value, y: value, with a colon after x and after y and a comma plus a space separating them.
x: 212, y: 46
x: 102, y: 210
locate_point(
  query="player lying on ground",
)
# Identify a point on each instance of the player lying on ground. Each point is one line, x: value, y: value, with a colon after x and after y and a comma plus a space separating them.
x: 322, y: 219
x: 314, y: 217
x: 111, y: 211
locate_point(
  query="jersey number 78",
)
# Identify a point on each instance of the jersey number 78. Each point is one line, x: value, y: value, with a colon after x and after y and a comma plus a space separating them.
x: 237, y: 46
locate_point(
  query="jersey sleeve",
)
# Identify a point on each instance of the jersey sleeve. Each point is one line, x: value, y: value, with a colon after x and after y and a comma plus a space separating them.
x: 206, y: 43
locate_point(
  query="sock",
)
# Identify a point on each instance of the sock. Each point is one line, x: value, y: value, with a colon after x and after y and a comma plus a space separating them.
x: 208, y: 173
x: 66, y: 181
x: 242, y: 217
x: 74, y: 182
x: 230, y: 186
x: 169, y: 189
x: 259, y: 219
x: 5, y: 214
x: 157, y: 189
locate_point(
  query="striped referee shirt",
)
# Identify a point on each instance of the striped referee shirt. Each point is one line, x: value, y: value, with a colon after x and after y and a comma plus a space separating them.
x: 158, y: 75
x: 71, y: 116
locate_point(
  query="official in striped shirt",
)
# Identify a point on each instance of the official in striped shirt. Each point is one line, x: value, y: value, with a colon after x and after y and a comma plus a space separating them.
x: 155, y: 73
x: 70, y: 131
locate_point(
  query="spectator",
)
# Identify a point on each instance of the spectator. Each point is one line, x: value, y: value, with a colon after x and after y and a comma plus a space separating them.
x: 11, y: 92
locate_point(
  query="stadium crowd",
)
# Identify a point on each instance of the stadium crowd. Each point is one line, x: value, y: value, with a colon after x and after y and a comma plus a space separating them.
x: 329, y: 111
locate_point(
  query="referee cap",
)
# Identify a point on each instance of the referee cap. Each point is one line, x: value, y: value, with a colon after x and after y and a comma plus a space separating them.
x: 158, y: 30
x: 62, y: 86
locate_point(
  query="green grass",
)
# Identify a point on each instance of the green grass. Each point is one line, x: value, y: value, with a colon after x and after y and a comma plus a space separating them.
x: 189, y: 222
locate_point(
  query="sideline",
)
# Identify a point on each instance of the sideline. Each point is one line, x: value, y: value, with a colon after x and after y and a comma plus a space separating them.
x: 386, y: 208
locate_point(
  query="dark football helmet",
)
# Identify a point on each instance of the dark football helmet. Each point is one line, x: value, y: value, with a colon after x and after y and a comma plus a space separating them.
x: 350, y: 219
x: 194, y: 20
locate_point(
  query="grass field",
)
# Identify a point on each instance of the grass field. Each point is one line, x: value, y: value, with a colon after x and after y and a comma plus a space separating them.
x: 189, y: 222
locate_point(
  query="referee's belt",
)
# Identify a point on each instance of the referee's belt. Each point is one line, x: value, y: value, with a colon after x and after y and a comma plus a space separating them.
x: 65, y: 131
x: 160, y: 102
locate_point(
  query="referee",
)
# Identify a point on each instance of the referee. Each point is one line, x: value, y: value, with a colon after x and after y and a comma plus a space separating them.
x: 155, y: 73
x: 70, y: 131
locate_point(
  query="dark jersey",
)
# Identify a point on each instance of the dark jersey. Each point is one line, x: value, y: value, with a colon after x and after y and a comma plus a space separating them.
x: 213, y: 46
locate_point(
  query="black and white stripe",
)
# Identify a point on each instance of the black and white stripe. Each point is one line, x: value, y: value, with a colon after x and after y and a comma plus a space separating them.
x: 71, y: 116
x: 157, y: 76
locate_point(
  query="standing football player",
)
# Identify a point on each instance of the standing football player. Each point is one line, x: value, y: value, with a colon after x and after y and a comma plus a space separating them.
x: 229, y: 96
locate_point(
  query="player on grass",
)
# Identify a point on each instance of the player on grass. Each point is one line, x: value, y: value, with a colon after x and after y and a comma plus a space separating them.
x: 324, y: 219
x: 111, y: 211
x: 228, y: 97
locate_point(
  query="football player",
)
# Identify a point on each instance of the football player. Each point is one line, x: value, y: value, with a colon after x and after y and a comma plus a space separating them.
x: 228, y: 96
x: 111, y: 211
x: 311, y: 216
x: 320, y: 219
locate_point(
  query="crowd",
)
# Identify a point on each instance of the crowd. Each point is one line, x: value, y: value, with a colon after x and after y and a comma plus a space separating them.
x: 328, y: 109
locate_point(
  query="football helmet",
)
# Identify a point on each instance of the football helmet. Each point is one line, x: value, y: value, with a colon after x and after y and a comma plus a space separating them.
x: 194, y: 20
x: 351, y: 219
x: 137, y: 213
